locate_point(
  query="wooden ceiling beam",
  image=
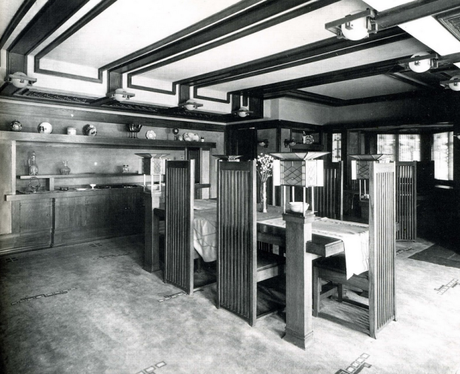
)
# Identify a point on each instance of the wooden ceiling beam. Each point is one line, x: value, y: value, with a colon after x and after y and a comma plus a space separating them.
x: 414, y: 10
x: 318, y: 51
x: 50, y: 17
x: 225, y: 26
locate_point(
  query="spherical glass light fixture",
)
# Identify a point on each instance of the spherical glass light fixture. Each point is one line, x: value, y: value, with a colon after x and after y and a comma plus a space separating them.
x: 422, y: 65
x: 355, y: 29
x: 20, y: 80
x: 455, y: 85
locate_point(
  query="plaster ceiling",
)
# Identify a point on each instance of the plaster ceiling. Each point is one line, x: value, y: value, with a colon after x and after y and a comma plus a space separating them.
x: 221, y: 53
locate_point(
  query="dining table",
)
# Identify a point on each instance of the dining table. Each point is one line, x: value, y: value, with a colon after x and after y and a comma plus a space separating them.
x: 304, y: 237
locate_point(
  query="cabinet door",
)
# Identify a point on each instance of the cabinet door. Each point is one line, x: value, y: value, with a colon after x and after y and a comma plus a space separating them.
x: 69, y: 220
x: 127, y: 212
x: 32, y: 224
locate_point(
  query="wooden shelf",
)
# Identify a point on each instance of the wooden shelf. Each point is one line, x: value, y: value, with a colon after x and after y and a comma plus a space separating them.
x: 51, y: 177
x: 94, y: 140
x: 86, y: 175
x: 307, y: 147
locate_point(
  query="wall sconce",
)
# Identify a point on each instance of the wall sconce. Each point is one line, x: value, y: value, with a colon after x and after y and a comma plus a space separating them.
x: 453, y: 83
x: 422, y: 62
x: 243, y: 112
x: 355, y: 26
x: 263, y: 143
x: 190, y: 105
x: 20, y: 80
x: 121, y: 95
x: 289, y: 143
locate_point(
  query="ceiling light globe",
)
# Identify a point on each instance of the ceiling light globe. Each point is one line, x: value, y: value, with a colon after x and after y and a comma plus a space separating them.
x: 355, y: 29
x: 190, y: 105
x: 243, y: 112
x: 420, y: 66
x: 119, y: 94
x: 455, y: 86
x: 20, y: 80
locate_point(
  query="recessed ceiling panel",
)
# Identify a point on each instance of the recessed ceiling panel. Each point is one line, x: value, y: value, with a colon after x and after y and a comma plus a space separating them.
x: 128, y: 26
x: 362, y: 88
x: 300, y: 31
x: 390, y: 51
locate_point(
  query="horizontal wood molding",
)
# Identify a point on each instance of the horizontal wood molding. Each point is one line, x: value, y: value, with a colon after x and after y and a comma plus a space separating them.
x: 106, y: 115
x: 95, y: 140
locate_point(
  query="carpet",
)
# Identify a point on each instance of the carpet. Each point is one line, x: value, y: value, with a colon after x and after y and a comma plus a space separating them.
x: 438, y: 255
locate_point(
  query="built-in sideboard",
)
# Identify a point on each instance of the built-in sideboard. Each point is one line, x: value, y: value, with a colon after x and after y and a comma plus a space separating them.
x: 65, y: 209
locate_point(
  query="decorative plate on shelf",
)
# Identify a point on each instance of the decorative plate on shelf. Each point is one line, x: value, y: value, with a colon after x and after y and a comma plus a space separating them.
x: 90, y: 130
x: 150, y: 134
x: 45, y: 128
x: 191, y: 137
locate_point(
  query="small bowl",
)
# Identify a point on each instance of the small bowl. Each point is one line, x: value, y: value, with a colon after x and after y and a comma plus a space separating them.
x: 298, y: 206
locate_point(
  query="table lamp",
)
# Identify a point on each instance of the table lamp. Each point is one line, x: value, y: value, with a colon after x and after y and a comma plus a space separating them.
x: 298, y: 169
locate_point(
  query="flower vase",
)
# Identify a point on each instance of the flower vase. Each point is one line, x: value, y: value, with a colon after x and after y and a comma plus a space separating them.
x: 263, y: 197
x: 65, y: 170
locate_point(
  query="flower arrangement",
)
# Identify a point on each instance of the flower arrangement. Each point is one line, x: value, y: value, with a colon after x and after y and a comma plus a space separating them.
x: 264, y: 166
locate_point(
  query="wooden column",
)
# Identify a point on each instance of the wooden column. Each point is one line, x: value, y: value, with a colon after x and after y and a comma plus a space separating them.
x: 298, y: 279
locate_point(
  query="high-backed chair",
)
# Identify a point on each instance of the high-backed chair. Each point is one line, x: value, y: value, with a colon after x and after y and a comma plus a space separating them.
x: 240, y: 265
x: 379, y: 281
x: 179, y: 202
x: 329, y: 197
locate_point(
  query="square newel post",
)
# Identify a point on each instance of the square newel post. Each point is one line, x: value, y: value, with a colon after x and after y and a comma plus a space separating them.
x: 298, y: 279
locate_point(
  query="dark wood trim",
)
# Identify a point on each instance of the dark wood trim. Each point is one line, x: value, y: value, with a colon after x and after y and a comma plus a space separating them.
x: 173, y: 90
x: 368, y: 70
x: 65, y: 75
x: 98, y: 9
x: 187, y: 31
x: 81, y: 112
x: 307, y: 96
x: 90, y: 140
x: 208, y: 98
x: 309, y: 53
x: 414, y: 10
x: 274, y: 124
x: 216, y: 30
x: 17, y: 18
x: 48, y: 19
x: 285, y: 17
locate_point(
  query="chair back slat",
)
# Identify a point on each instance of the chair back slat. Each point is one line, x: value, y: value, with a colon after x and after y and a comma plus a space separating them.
x: 179, y: 191
x: 329, y: 198
x: 237, y: 235
x: 406, y: 200
x: 382, y: 246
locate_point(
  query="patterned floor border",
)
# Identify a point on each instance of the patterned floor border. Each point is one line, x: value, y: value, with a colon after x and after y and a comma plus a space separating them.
x: 356, y: 366
x: 446, y: 287
x: 152, y: 368
x: 172, y: 296
x: 36, y: 297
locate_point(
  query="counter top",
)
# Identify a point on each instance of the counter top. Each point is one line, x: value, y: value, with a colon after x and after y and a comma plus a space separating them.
x: 71, y: 192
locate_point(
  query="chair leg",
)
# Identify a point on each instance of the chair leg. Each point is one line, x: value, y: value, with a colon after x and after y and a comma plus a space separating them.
x: 340, y: 292
x: 316, y: 292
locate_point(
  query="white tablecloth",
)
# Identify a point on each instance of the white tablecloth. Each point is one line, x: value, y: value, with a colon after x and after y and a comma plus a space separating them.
x: 355, y: 237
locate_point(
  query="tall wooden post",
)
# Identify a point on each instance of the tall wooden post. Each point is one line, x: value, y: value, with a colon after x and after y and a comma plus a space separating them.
x: 298, y: 279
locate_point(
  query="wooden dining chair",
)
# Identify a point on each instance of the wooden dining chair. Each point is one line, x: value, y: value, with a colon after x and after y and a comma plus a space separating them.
x: 179, y: 202
x: 240, y: 265
x: 379, y: 280
x: 329, y: 197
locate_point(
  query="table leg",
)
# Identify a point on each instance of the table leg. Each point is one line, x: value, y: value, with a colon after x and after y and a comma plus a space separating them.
x: 298, y: 280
